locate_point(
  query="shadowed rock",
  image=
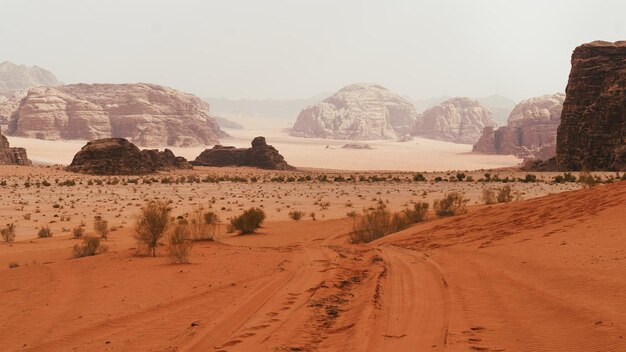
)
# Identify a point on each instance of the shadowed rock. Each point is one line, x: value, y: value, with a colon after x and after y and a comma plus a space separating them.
x: 261, y: 155
x: 12, y: 156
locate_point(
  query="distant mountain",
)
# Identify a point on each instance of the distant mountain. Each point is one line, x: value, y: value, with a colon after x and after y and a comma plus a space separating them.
x: 286, y: 109
x: 424, y: 104
x: 14, y: 78
x: 226, y: 123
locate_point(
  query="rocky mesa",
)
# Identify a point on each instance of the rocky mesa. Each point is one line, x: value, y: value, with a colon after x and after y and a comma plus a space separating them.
x: 360, y: 111
x: 530, y: 131
x: 458, y: 120
x: 14, y: 78
x: 260, y: 155
x: 118, y: 156
x: 145, y: 114
x: 12, y: 156
x: 592, y: 133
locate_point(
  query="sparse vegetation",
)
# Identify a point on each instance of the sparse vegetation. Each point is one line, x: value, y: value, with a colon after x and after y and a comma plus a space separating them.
x: 488, y: 196
x: 418, y: 213
x: 179, y: 244
x: 91, y: 245
x: 248, y: 221
x: 101, y: 227
x: 296, y: 215
x: 454, y: 203
x: 587, y: 180
x: 505, y: 194
x: 13, y: 265
x: 8, y: 233
x: 44, y: 231
x: 78, y: 232
x: 151, y: 224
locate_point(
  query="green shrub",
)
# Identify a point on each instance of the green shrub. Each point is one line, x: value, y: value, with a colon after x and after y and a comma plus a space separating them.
x: 419, y: 178
x: 91, y: 245
x: 151, y: 224
x: 248, y: 221
x: 179, y: 245
x: 372, y: 225
x: 44, y: 231
x: 418, y: 213
x: 587, y: 180
x: 452, y: 204
x: 8, y: 233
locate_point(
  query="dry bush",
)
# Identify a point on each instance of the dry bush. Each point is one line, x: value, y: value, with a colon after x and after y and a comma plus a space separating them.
x: 92, y: 245
x: 505, y: 194
x: 248, y: 221
x: 296, y: 215
x: 179, y: 244
x: 44, y: 231
x: 8, y: 233
x: 101, y: 227
x: 373, y: 224
x: 488, y: 196
x: 13, y: 265
x: 418, y: 213
x: 78, y: 232
x: 202, y: 225
x: 210, y: 218
x: 452, y: 204
x: 151, y: 224
x: 587, y: 179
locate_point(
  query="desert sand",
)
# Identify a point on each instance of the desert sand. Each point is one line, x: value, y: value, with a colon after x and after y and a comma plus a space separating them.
x: 546, y: 273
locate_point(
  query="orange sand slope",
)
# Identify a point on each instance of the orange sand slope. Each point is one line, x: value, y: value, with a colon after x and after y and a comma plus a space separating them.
x: 547, y: 274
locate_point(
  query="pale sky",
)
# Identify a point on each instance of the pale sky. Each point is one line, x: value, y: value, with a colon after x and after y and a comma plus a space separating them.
x: 292, y: 48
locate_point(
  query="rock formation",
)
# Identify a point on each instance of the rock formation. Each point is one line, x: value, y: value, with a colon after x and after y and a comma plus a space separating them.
x: 592, y: 134
x: 118, y: 156
x: 530, y: 131
x: 261, y: 155
x: 146, y: 114
x: 358, y: 112
x: 14, y: 78
x: 458, y: 120
x: 12, y: 156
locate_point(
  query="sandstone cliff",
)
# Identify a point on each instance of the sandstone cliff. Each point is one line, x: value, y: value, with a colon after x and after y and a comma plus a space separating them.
x: 14, y: 78
x: 118, y: 156
x: 592, y: 134
x: 458, y: 120
x: 146, y: 114
x: 12, y: 156
x: 359, y: 111
x: 530, y: 131
x: 260, y: 155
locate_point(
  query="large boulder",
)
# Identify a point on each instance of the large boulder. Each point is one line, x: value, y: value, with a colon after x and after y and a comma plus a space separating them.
x: 12, y: 156
x: 458, y: 120
x: 360, y: 111
x: 530, y: 131
x: 118, y: 156
x: 260, y: 155
x: 14, y: 78
x: 592, y: 134
x: 146, y: 114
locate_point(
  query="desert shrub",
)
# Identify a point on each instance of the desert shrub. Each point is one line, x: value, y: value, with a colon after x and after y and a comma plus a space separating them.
x: 248, y: 221
x: 151, y: 224
x: 8, y: 233
x: 101, y: 227
x: 399, y: 222
x: 587, y: 180
x: 488, y: 196
x: 504, y: 194
x: 312, y: 215
x: 179, y: 244
x: 460, y: 176
x: 78, y: 232
x: 372, y: 225
x: 202, y: 225
x: 210, y: 218
x: 44, y: 231
x: 351, y: 214
x: 419, y: 178
x: 296, y: 215
x: 452, y: 204
x: 418, y: 213
x: 91, y: 245
x: 13, y: 265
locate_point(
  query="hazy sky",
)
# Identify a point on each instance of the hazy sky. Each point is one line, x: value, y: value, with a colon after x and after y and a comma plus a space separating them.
x: 291, y: 48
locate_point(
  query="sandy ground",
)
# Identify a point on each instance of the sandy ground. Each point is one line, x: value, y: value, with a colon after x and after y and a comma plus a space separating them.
x: 418, y: 154
x: 544, y: 274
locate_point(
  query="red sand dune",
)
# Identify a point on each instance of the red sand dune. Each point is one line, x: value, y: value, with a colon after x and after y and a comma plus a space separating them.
x: 547, y: 274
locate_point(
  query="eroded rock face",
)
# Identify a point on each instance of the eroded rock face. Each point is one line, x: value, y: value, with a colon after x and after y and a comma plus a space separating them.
x: 359, y: 111
x: 592, y: 134
x: 530, y: 131
x: 14, y: 78
x: 12, y: 156
x: 261, y: 155
x: 118, y: 156
x: 458, y: 120
x: 146, y: 114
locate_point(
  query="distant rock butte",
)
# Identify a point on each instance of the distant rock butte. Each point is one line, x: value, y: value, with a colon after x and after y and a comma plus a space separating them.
x: 14, y: 78
x: 260, y: 155
x: 146, y: 114
x: 592, y: 134
x: 118, y: 156
x: 360, y: 111
x: 12, y: 156
x: 458, y: 120
x: 357, y: 146
x: 530, y: 131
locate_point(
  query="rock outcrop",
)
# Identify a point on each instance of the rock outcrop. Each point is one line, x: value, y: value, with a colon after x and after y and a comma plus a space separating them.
x: 14, y: 78
x: 9, y: 104
x: 12, y: 156
x: 592, y: 134
x: 118, y: 156
x: 530, y: 131
x: 458, y: 120
x: 261, y: 155
x: 146, y: 114
x: 359, y: 111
